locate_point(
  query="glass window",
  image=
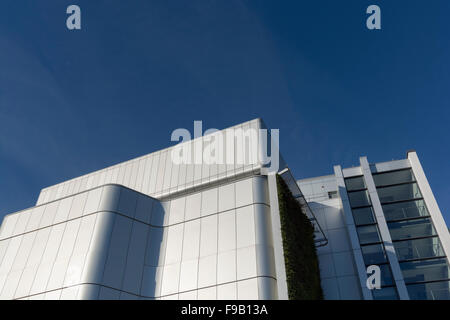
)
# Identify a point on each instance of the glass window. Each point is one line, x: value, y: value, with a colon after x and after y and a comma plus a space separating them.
x: 332, y: 195
x: 398, y: 193
x: 419, y: 249
x: 426, y: 270
x: 368, y: 234
x: 429, y: 291
x: 393, y: 177
x: 411, y: 229
x: 389, y: 293
x: 356, y: 183
x: 386, y: 275
x: 373, y: 254
x: 405, y: 210
x: 363, y: 216
x: 359, y: 199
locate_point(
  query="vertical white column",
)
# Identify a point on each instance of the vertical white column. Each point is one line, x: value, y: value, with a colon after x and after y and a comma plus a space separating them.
x: 430, y: 201
x: 351, y: 229
x: 277, y: 238
x: 384, y: 231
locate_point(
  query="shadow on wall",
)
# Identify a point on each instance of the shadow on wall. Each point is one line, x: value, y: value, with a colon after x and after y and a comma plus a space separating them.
x: 152, y: 278
x: 339, y: 277
x: 134, y: 244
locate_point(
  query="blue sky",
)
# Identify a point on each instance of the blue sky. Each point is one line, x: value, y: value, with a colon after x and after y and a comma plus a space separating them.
x: 72, y: 102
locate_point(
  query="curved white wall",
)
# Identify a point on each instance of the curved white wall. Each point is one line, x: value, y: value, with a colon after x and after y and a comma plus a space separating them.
x: 111, y: 242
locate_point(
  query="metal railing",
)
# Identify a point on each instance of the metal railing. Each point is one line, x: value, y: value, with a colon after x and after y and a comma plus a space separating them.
x: 439, y: 294
x: 419, y: 251
x: 407, y: 212
x: 320, y: 239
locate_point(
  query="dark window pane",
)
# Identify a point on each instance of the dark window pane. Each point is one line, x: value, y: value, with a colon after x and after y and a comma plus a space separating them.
x: 429, y: 291
x: 405, y: 210
x: 386, y: 275
x: 368, y: 234
x: 394, y: 177
x: 359, y: 198
x: 355, y: 183
x: 363, y: 216
x: 427, y: 270
x: 333, y: 195
x: 373, y: 254
x: 411, y: 229
x: 419, y: 249
x: 385, y: 294
x: 398, y: 193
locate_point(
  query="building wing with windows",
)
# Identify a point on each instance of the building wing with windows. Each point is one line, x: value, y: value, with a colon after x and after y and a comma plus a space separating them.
x: 387, y: 216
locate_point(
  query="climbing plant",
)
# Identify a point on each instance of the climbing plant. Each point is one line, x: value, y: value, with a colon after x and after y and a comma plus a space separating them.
x: 302, y: 266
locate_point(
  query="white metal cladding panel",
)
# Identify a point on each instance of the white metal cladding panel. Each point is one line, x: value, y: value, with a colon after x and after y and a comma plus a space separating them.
x: 349, y: 172
x: 112, y: 244
x: 48, y: 249
x: 217, y: 247
x: 115, y: 263
x: 157, y: 175
x: 336, y: 261
x: 317, y: 189
x: 44, y: 270
x: 203, y: 251
x: 60, y: 265
x: 390, y: 165
x: 226, y: 231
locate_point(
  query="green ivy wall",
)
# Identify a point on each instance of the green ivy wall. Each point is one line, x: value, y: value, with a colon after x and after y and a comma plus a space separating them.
x: 302, y: 265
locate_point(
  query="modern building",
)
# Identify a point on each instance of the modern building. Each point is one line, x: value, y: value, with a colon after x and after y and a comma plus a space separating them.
x: 156, y: 227
x: 380, y: 214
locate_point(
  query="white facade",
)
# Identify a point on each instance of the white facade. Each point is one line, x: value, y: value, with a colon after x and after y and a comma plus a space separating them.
x: 158, y: 176
x: 151, y: 228
x: 338, y: 273
x: 113, y: 242
x: 148, y: 229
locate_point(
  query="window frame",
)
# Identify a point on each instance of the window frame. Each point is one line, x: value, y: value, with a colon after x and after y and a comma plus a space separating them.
x: 392, y: 171
x: 427, y: 281
x: 419, y: 259
x: 354, y: 177
x: 373, y: 242
x: 401, y: 200
x: 410, y: 218
x: 413, y: 238
x: 359, y: 206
